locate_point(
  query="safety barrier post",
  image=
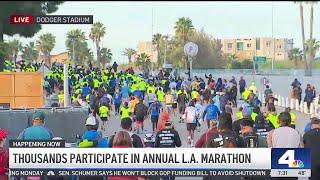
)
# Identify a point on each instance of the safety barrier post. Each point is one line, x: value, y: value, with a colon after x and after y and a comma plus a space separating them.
x: 283, y: 102
x: 288, y: 103
x: 305, y: 107
x: 279, y: 101
x: 298, y: 106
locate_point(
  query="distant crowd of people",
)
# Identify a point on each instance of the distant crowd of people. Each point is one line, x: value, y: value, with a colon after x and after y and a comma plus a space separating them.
x: 233, y: 114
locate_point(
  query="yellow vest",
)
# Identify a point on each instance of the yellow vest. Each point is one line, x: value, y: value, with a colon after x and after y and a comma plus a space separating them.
x: 161, y: 95
x: 194, y: 94
x: 103, y: 111
x: 253, y: 116
x: 293, y: 118
x: 246, y: 94
x: 61, y: 98
x: 273, y: 119
x: 152, y: 89
x: 142, y: 86
x: 239, y: 115
x: 125, y: 112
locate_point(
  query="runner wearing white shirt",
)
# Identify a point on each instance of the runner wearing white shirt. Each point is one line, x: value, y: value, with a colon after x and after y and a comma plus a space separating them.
x: 284, y: 136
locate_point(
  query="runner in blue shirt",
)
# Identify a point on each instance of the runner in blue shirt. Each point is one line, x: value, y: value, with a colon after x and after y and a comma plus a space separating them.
x: 211, y: 113
x: 154, y: 110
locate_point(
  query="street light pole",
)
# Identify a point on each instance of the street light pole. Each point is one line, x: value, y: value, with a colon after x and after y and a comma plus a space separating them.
x: 73, y: 52
x: 165, y: 53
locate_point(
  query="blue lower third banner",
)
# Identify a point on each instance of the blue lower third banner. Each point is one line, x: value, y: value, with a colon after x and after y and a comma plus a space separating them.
x: 291, y: 162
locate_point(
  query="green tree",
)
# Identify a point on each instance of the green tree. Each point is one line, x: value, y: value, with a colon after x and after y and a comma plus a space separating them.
x: 247, y: 64
x: 208, y: 55
x: 106, y: 56
x: 22, y: 7
x: 295, y: 55
x: 183, y: 30
x: 14, y: 47
x: 143, y: 61
x: 129, y: 52
x: 97, y: 32
x: 45, y: 44
x: 82, y: 53
x: 29, y: 52
x: 156, y: 40
x: 299, y: 3
x: 312, y: 46
x: 311, y: 3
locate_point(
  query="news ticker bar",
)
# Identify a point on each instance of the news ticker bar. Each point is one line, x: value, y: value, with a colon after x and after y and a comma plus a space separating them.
x: 51, y: 19
x: 146, y: 172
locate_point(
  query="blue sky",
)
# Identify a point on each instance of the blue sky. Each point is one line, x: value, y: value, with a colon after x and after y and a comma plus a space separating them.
x: 130, y: 22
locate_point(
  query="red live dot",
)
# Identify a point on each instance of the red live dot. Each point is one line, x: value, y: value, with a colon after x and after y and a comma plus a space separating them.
x: 21, y: 19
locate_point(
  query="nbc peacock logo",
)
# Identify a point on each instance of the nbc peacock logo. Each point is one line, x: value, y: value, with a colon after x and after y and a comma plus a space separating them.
x: 297, y: 164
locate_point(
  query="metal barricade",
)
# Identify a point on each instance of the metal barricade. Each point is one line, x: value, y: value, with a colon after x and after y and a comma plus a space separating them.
x: 63, y: 122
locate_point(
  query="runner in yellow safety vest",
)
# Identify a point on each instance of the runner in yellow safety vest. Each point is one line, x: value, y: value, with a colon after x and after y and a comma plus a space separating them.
x: 239, y: 113
x: 272, y: 117
x: 125, y: 111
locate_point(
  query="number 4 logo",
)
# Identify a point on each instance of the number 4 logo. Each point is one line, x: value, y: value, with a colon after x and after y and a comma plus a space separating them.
x: 287, y: 158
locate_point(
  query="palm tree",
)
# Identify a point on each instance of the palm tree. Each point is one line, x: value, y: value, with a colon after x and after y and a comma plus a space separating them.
x: 79, y: 38
x: 97, y: 32
x: 106, y: 56
x: 183, y: 29
x: 312, y: 46
x: 45, y: 44
x: 143, y: 61
x: 14, y: 48
x: 156, y: 40
x: 29, y: 52
x: 295, y: 55
x: 302, y: 28
x: 129, y: 52
x: 311, y: 3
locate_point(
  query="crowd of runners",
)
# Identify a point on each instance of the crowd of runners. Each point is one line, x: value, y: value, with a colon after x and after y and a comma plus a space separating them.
x: 230, y: 110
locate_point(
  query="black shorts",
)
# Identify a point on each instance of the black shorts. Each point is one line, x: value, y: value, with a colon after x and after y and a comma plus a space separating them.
x: 191, y: 126
x: 174, y: 105
x: 104, y: 119
x: 154, y: 119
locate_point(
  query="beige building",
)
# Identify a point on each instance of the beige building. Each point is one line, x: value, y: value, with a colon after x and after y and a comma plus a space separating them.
x: 148, y: 48
x: 247, y: 48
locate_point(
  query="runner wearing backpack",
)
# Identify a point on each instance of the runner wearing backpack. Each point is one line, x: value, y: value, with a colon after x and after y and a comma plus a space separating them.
x: 248, y: 138
x: 140, y: 112
x: 154, y: 110
x: 225, y: 138
x: 91, y: 137
x: 126, y: 124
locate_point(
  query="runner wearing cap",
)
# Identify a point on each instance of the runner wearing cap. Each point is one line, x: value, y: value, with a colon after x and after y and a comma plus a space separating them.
x: 154, y: 111
x: 311, y: 140
x: 91, y: 137
x: 37, y: 131
x: 4, y: 155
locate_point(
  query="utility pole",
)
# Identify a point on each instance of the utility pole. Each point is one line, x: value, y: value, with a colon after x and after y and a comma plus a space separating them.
x: 274, y: 52
x: 66, y: 86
